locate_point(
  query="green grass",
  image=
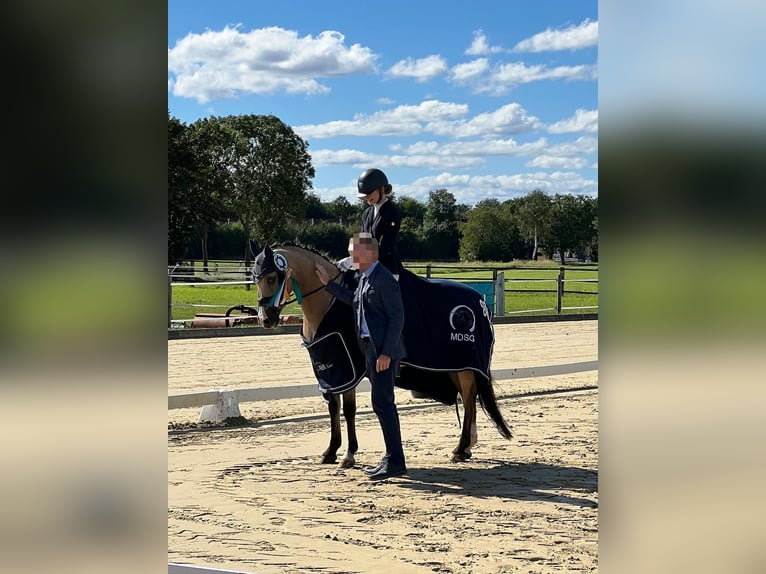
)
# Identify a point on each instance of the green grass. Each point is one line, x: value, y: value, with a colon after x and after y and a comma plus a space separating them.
x: 527, y: 295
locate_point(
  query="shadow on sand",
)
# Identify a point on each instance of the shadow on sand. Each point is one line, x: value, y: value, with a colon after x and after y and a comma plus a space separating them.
x: 521, y: 481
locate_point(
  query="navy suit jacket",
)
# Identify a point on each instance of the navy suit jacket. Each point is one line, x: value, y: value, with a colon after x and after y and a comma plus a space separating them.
x: 385, y: 228
x: 383, y: 310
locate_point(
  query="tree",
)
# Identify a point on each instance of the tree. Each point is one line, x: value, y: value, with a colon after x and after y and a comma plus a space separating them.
x: 488, y: 234
x: 342, y: 210
x: 181, y: 169
x: 330, y: 237
x: 314, y: 207
x: 571, y: 223
x: 271, y: 177
x: 440, y: 230
x: 591, y: 247
x: 534, y: 217
x: 409, y: 241
x: 215, y: 146
x: 410, y: 207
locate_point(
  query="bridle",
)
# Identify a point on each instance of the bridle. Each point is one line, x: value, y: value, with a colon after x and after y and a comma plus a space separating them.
x: 279, y: 299
x: 297, y: 295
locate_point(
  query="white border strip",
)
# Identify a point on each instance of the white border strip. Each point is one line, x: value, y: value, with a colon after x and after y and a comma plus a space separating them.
x: 174, y: 568
x: 301, y: 391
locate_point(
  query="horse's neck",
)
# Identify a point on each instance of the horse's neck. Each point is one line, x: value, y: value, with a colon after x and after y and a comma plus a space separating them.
x: 314, y: 306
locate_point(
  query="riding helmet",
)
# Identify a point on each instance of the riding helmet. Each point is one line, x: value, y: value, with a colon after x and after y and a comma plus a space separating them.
x: 371, y: 180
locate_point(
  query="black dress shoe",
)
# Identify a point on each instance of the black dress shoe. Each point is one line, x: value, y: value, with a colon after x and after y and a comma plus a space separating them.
x: 388, y: 471
x: 374, y: 469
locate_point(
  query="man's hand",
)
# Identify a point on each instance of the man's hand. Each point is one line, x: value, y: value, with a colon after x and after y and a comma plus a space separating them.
x: 383, y: 362
x: 321, y: 273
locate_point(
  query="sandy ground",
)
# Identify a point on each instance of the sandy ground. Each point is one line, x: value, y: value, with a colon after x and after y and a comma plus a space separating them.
x: 254, y: 499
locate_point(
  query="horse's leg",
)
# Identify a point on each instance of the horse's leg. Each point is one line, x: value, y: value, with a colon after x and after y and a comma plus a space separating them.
x: 466, y: 385
x: 330, y: 455
x: 349, y: 413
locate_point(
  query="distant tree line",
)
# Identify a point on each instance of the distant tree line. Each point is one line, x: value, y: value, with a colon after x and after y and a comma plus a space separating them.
x: 239, y: 177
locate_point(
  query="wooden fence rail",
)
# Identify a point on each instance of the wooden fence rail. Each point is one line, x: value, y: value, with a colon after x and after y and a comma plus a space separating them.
x: 493, y: 289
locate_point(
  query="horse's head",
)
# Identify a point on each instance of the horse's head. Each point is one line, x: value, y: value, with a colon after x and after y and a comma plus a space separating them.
x: 270, y: 274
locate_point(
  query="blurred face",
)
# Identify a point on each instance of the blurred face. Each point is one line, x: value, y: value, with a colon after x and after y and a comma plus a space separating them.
x: 373, y: 197
x: 363, y: 255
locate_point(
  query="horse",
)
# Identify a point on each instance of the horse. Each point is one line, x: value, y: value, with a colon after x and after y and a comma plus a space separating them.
x: 288, y: 270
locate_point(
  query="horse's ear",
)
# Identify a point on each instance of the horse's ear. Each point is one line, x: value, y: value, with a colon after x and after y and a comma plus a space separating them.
x: 254, y: 249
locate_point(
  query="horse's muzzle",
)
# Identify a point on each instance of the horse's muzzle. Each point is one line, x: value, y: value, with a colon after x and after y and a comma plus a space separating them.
x: 268, y: 316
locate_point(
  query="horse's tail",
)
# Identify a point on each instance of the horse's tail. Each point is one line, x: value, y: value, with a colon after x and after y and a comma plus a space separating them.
x: 485, y: 387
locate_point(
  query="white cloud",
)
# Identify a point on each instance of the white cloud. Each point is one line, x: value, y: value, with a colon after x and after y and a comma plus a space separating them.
x: 464, y: 154
x: 470, y: 189
x: 478, y: 148
x: 363, y: 160
x: 581, y: 121
x: 567, y: 155
x: 583, y: 145
x: 430, y: 161
x: 508, y: 75
x: 557, y: 162
x: 577, y: 37
x: 422, y: 70
x: 503, y: 77
x: 354, y: 157
x: 480, y: 46
x: 496, y: 147
x: 469, y: 72
x: 222, y: 64
x: 434, y: 116
x: 509, y: 119
x: 402, y: 120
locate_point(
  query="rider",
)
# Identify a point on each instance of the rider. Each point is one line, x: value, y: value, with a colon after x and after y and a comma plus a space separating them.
x: 382, y: 217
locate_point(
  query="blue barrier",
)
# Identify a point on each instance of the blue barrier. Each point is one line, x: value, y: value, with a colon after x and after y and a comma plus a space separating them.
x: 485, y: 288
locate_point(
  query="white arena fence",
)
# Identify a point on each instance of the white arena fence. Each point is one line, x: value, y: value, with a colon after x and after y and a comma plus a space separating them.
x: 220, y: 404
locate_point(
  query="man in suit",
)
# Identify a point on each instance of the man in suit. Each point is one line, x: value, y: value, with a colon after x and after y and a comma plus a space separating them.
x: 379, y: 312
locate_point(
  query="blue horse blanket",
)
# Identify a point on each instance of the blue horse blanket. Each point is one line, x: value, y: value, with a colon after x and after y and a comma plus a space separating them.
x: 336, y: 358
x: 447, y: 327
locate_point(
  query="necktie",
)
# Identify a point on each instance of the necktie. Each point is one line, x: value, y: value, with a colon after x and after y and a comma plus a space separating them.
x: 360, y: 296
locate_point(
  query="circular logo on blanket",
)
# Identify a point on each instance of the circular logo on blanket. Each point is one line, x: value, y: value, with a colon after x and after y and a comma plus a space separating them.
x: 280, y: 262
x: 461, y: 318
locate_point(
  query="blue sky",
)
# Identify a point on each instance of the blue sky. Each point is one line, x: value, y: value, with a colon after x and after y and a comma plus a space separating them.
x: 487, y: 99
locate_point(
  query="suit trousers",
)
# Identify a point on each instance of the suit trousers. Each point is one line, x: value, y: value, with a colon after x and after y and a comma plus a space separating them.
x: 384, y: 405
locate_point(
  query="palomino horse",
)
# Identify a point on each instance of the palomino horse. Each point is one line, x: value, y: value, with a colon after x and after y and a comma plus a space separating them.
x: 288, y: 271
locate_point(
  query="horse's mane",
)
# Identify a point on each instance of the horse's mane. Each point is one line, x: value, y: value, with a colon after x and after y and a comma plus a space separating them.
x: 323, y: 254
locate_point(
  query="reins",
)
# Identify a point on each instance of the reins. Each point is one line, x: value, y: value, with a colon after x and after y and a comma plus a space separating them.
x: 296, y: 290
x: 297, y: 295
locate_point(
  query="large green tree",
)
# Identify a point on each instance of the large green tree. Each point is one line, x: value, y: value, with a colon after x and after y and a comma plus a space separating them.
x: 315, y: 209
x: 216, y: 147
x: 534, y: 218
x: 410, y: 207
x: 571, y: 223
x: 440, y: 228
x: 181, y: 170
x: 342, y: 210
x: 489, y: 233
x: 270, y: 177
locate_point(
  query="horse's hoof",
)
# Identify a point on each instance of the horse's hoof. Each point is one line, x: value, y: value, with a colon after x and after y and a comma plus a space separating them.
x: 328, y: 459
x: 347, y: 463
x: 460, y: 456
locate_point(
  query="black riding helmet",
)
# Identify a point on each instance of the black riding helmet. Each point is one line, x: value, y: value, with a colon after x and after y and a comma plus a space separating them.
x: 371, y: 180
